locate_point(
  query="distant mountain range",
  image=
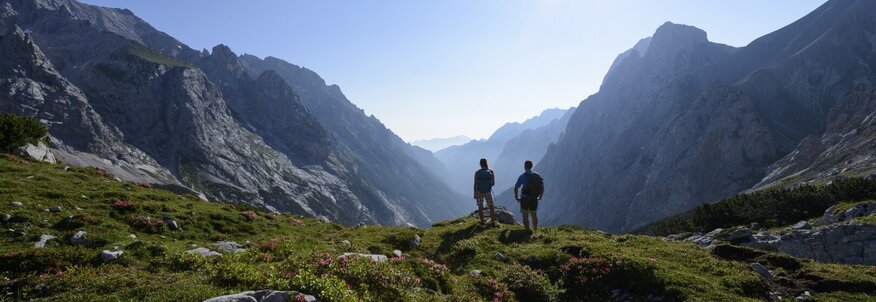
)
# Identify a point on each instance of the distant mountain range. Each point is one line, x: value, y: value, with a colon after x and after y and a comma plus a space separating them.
x: 436, y: 144
x: 505, y: 149
x: 120, y: 95
x: 680, y: 121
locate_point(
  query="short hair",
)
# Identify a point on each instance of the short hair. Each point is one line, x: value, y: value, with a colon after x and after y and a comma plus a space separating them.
x: 528, y: 164
x: 484, y: 163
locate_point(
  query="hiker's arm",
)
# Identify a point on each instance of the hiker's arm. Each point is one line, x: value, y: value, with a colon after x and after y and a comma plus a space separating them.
x: 474, y: 187
x: 516, y: 196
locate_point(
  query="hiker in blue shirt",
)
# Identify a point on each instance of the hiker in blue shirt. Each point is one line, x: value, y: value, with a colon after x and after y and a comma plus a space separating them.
x: 531, y: 192
x: 484, y: 180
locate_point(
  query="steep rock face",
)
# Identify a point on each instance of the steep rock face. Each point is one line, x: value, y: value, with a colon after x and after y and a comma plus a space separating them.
x: 31, y: 86
x: 462, y: 161
x: 376, y: 158
x: 132, y: 95
x: 691, y: 122
x: 844, y: 148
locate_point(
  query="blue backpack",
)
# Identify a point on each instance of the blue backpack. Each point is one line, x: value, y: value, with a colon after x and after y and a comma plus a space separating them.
x: 484, y: 180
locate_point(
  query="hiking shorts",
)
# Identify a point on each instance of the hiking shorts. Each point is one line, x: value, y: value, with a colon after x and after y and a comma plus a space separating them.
x: 480, y: 197
x: 528, y: 205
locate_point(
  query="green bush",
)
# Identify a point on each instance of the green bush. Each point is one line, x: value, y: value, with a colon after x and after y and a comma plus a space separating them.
x: 528, y: 284
x: 17, y: 131
x: 770, y: 208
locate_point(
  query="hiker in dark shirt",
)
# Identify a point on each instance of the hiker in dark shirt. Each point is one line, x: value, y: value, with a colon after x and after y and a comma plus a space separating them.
x: 484, y: 180
x: 531, y: 187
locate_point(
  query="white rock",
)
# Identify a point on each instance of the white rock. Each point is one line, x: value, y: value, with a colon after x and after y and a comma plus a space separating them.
x: 203, y: 252
x: 43, y: 240
x: 108, y: 255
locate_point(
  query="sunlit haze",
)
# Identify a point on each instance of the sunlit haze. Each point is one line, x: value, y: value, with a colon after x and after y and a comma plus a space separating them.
x: 445, y: 68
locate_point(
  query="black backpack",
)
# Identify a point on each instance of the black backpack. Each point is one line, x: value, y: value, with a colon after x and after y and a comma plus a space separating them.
x: 485, y: 180
x: 534, y: 186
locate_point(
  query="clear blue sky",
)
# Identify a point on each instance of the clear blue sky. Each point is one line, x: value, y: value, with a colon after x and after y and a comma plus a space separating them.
x: 444, y: 68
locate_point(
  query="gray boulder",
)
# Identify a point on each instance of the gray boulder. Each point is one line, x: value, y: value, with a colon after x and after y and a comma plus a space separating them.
x: 802, y: 225
x: 848, y: 242
x: 16, y: 203
x: 763, y: 271
x: 230, y: 246
x: 5, y: 217
x: 38, y: 152
x: 43, y: 240
x: 263, y: 296
x: 55, y: 209
x: 397, y: 253
x: 501, y: 257
x: 79, y: 238
x: 503, y: 215
x: 172, y: 224
x: 415, y: 242
x: 203, y: 252
x: 107, y: 255
x: 740, y: 233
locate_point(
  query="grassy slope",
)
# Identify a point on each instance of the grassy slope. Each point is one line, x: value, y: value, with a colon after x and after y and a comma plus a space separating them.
x: 287, y: 253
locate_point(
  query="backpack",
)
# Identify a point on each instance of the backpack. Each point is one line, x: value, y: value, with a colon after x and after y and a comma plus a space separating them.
x: 534, y: 186
x: 485, y: 180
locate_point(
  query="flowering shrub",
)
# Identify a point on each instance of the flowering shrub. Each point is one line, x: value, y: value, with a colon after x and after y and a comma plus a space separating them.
x: 147, y: 224
x: 432, y: 275
x: 122, y: 205
x: 249, y: 215
x: 491, y: 289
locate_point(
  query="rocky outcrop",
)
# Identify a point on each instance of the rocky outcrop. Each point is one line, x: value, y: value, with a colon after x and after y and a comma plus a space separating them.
x: 503, y: 215
x: 844, y: 149
x: 264, y: 296
x: 849, y: 243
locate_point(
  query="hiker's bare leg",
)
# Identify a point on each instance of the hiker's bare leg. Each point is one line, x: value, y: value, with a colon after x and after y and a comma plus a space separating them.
x: 492, y: 214
x: 534, y: 221
x: 481, y: 213
x: 526, y: 219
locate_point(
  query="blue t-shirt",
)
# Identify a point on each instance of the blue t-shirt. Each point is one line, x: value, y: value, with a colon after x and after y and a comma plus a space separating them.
x: 521, y: 181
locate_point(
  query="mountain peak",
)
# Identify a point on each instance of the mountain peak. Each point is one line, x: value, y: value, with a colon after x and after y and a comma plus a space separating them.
x: 222, y: 50
x: 671, y: 37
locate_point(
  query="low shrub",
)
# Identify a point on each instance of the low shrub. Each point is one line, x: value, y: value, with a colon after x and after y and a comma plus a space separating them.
x: 17, y: 131
x: 528, y: 284
x: 147, y: 224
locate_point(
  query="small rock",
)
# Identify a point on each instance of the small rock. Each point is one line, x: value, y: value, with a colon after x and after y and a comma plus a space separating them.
x: 377, y: 258
x: 755, y: 226
x: 501, y: 257
x: 132, y: 236
x: 79, y: 238
x: 714, y: 233
x: 474, y: 273
x: 415, y: 242
x: 345, y: 243
x: 43, y: 240
x: 230, y: 246
x: 78, y: 209
x: 172, y: 224
x: 361, y: 224
x: 16, y: 203
x: 5, y: 217
x: 763, y: 271
x: 55, y: 209
x: 203, y: 252
x: 802, y: 225
x: 397, y: 253
x: 107, y: 255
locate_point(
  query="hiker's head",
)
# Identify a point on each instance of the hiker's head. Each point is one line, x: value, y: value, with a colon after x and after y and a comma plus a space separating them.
x: 527, y: 165
x: 484, y: 163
